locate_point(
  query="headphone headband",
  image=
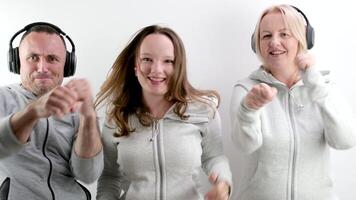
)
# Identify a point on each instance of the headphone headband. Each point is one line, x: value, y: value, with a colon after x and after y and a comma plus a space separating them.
x: 56, y: 28
x: 301, y: 12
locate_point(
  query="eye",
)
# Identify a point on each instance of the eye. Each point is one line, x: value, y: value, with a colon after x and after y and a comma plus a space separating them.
x: 33, y: 58
x: 146, y: 59
x: 169, y: 61
x: 266, y: 36
x: 284, y: 35
x: 52, y: 59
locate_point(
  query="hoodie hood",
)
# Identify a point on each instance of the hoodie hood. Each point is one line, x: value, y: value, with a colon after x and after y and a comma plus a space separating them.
x: 18, y: 88
x: 197, y: 111
x: 309, y: 76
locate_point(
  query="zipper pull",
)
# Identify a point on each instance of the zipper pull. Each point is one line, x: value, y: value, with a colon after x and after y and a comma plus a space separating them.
x: 154, y: 131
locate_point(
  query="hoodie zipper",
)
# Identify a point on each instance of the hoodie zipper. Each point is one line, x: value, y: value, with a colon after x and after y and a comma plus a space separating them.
x: 157, y: 143
x: 294, y: 139
x: 295, y: 145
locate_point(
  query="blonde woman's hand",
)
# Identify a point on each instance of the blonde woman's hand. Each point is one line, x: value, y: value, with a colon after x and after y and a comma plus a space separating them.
x: 259, y: 95
x: 219, y: 191
x: 304, y: 61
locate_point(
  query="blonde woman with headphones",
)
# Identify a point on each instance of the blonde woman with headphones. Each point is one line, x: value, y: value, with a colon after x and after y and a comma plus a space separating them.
x: 285, y: 115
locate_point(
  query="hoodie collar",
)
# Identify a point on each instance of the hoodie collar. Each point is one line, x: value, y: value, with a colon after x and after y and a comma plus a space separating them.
x: 263, y: 76
x: 196, y: 111
x: 19, y: 88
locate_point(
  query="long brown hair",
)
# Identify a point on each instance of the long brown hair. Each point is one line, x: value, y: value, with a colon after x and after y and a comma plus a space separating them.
x: 123, y: 93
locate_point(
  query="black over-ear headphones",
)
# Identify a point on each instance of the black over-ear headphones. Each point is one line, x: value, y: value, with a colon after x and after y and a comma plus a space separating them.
x: 309, y: 30
x: 14, y: 59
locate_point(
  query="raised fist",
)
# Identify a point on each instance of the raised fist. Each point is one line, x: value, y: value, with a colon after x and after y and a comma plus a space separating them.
x: 259, y: 95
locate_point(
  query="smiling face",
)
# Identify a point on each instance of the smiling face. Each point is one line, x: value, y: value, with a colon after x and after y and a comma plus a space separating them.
x: 155, y: 65
x: 42, y: 58
x: 278, y: 46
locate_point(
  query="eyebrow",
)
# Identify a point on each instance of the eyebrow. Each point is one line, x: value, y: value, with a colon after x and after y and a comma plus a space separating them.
x: 283, y: 29
x: 148, y: 54
x: 53, y: 55
x: 145, y: 54
x: 37, y: 54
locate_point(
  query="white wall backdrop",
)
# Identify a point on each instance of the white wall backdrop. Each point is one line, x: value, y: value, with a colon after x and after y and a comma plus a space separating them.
x: 216, y: 34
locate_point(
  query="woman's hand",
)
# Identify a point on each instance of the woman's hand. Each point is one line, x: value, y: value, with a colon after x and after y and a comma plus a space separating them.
x: 219, y: 191
x: 304, y: 60
x: 259, y: 95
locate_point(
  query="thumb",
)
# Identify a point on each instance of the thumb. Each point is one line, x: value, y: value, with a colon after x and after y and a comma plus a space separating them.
x: 274, y: 91
x: 213, y: 178
x: 268, y: 92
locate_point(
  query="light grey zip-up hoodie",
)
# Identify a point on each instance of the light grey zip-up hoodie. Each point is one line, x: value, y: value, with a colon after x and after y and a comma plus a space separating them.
x: 162, y: 162
x: 285, y: 144
x: 31, y: 173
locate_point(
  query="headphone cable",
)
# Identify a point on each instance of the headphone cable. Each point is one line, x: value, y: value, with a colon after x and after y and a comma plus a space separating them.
x: 50, y: 162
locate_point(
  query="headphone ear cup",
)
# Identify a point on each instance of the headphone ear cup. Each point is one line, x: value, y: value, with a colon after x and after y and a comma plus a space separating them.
x: 66, y: 71
x: 14, y: 60
x: 73, y: 62
x: 253, y: 43
x: 69, y: 66
x: 310, y: 36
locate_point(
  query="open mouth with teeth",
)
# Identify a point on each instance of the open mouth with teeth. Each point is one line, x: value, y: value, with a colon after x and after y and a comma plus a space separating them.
x: 277, y: 53
x: 156, y: 80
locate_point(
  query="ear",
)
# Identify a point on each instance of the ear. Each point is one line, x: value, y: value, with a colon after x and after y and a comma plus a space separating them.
x: 135, y: 71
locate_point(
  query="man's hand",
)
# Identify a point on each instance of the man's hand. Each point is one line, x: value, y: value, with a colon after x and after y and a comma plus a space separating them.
x: 75, y: 96
x: 57, y: 102
x: 84, y: 98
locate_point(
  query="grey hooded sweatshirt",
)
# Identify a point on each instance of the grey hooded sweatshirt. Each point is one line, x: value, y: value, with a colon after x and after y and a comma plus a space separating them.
x: 47, y: 161
x: 162, y: 161
x: 284, y: 146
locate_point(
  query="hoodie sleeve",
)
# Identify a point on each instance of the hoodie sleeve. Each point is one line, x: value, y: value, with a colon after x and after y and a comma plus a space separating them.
x: 86, y: 170
x: 9, y: 144
x: 112, y: 184
x: 246, y: 130
x: 213, y: 158
x: 337, y: 117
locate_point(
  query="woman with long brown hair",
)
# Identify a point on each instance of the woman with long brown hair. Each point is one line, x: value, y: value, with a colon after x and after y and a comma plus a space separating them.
x: 159, y: 129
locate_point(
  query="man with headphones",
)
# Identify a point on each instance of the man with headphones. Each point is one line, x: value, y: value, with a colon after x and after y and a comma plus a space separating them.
x: 49, y: 135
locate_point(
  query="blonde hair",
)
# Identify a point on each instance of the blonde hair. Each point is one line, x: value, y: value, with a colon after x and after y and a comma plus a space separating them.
x: 122, y: 93
x: 293, y: 20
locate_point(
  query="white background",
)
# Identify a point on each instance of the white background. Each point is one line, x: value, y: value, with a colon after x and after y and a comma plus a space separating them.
x: 216, y: 34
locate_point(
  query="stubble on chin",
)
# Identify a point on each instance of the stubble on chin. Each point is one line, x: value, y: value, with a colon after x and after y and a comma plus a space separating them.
x: 40, y: 88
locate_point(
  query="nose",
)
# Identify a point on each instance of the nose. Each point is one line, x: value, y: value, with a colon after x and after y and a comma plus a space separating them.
x: 42, y: 65
x: 157, y: 67
x: 275, y: 40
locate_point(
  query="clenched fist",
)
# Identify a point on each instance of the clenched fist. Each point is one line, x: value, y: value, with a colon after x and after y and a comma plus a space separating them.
x: 62, y: 100
x: 219, y: 191
x: 304, y: 60
x: 259, y: 95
